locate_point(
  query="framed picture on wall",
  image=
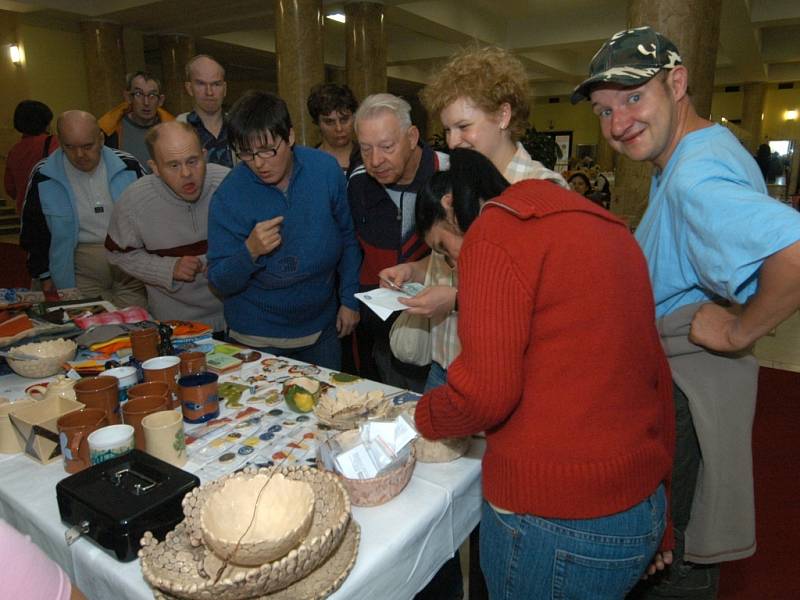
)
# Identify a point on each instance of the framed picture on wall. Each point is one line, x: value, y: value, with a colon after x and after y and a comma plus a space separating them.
x: 563, y: 140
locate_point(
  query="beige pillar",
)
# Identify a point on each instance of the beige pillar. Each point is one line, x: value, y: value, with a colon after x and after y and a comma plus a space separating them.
x: 298, y: 45
x: 105, y: 64
x: 176, y: 50
x: 693, y: 25
x: 365, y: 45
x: 605, y: 153
x: 753, y: 97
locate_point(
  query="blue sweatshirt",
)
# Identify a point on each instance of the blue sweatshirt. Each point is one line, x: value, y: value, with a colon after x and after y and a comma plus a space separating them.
x: 289, y: 292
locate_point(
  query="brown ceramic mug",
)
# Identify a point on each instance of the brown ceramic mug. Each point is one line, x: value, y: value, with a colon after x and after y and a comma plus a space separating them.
x: 137, y: 409
x: 144, y: 343
x: 192, y: 362
x: 166, y: 369
x: 150, y: 388
x: 73, y: 433
x: 100, y: 392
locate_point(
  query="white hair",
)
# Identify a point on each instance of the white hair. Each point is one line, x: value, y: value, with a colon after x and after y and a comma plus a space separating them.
x: 376, y: 104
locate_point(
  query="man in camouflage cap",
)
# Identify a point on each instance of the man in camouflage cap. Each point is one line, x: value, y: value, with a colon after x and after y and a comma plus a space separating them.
x: 724, y: 260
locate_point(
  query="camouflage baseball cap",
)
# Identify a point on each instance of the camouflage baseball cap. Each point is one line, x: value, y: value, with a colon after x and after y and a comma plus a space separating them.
x: 631, y: 57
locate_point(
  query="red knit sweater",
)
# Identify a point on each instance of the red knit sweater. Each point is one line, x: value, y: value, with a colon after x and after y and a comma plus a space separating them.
x: 561, y: 363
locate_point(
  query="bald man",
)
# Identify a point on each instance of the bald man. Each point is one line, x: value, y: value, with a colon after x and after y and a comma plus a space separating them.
x: 67, y: 210
x: 159, y: 228
x: 205, y: 83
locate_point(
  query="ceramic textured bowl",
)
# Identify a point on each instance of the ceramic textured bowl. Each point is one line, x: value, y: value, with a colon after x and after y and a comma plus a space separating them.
x: 49, y: 357
x: 257, y: 520
x: 182, y: 566
x: 345, y: 409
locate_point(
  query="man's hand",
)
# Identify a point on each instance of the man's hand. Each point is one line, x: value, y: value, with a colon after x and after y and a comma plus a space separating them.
x: 346, y: 321
x: 716, y: 327
x: 187, y: 268
x: 433, y: 302
x: 659, y: 563
x: 265, y: 237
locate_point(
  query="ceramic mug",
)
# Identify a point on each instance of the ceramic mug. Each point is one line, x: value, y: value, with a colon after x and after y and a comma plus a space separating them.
x: 144, y: 343
x: 110, y: 442
x: 73, y: 432
x: 150, y: 388
x: 127, y: 376
x: 199, y: 400
x: 164, y: 437
x: 100, y: 392
x: 192, y: 363
x: 138, y: 408
x: 166, y: 369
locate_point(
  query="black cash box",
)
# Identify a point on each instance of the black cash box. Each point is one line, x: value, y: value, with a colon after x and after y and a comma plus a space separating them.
x: 116, y: 501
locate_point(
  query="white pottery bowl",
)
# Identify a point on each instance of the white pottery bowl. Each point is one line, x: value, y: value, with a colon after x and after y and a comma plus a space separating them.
x: 49, y: 357
x: 283, y: 514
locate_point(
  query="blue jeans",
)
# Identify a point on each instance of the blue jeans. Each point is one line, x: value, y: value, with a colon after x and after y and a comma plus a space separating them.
x: 527, y: 557
x: 325, y: 352
x: 436, y: 376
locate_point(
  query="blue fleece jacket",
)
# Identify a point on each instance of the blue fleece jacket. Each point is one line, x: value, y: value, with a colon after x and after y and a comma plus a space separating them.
x: 289, y: 292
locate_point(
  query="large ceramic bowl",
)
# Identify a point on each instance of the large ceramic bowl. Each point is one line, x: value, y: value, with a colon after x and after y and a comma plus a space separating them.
x: 257, y: 520
x: 49, y: 358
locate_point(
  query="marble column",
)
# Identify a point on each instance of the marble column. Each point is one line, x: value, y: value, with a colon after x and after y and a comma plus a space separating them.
x: 693, y: 25
x: 105, y: 64
x: 299, y: 52
x: 753, y: 98
x: 365, y: 45
x: 176, y: 50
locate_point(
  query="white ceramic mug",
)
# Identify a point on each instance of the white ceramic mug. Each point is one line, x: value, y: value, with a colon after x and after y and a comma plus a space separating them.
x: 110, y: 442
x: 127, y: 378
x: 164, y: 437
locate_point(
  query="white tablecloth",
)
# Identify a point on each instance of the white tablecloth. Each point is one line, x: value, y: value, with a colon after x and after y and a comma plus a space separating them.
x: 403, y: 542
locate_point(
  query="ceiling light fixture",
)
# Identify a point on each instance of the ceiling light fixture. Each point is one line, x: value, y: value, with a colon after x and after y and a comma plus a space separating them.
x: 16, y: 54
x: 338, y: 17
x: 790, y: 115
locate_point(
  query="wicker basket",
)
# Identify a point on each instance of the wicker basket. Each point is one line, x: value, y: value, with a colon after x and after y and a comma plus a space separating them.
x: 381, y: 489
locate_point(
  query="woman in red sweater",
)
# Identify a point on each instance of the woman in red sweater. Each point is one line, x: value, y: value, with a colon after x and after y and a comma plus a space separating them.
x: 562, y: 367
x: 32, y: 119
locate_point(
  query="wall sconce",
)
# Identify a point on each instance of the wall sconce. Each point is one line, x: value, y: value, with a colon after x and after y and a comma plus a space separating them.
x: 790, y: 115
x: 338, y: 17
x: 16, y: 54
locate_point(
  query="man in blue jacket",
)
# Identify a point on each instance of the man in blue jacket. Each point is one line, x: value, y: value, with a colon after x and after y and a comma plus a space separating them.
x: 67, y: 210
x: 280, y: 237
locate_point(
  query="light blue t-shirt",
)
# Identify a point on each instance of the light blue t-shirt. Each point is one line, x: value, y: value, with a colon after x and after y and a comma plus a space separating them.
x: 710, y: 224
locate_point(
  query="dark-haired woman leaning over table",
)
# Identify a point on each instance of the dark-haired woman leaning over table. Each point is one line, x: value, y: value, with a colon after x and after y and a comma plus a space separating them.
x: 562, y: 367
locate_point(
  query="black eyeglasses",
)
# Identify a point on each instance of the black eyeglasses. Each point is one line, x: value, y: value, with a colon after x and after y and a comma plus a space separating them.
x: 265, y: 153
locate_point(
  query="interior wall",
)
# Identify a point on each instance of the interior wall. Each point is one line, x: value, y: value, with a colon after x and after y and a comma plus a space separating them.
x: 778, y: 102
x: 54, y: 69
x: 564, y: 116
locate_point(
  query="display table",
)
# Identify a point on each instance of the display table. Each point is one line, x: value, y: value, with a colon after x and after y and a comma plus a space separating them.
x: 403, y: 542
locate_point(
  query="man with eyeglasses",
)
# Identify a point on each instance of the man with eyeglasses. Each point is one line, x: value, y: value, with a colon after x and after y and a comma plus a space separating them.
x: 279, y: 233
x: 67, y: 210
x: 205, y: 83
x: 126, y: 124
x: 382, y: 192
x: 159, y: 228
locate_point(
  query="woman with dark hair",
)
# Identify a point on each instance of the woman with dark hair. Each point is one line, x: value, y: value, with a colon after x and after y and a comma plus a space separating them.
x: 562, y: 367
x: 580, y: 184
x: 32, y: 119
x: 279, y: 231
x: 332, y: 107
